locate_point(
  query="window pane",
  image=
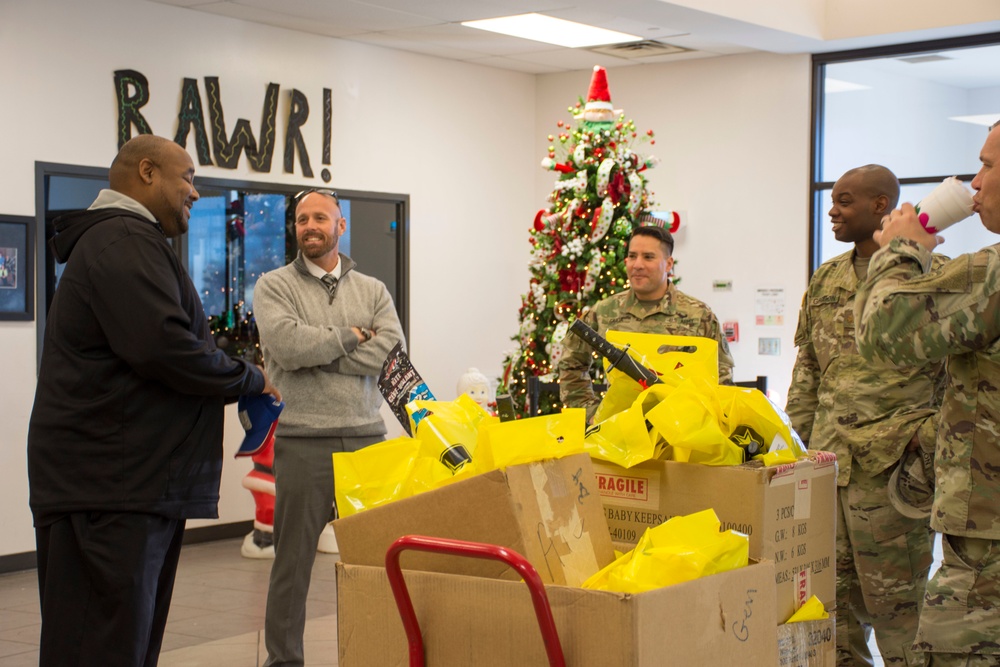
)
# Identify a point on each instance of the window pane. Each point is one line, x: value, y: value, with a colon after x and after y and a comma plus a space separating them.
x: 963, y: 237
x: 206, y: 260
x: 901, y: 112
x: 265, y: 237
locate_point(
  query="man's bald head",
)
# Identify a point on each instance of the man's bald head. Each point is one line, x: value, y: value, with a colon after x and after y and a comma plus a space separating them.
x: 159, y: 174
x: 877, y: 181
x: 125, y: 167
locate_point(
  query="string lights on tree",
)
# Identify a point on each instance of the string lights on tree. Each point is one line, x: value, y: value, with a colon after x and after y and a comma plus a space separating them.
x: 579, y: 242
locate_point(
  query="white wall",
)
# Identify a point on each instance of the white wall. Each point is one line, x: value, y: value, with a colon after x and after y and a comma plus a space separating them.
x: 458, y: 138
x: 733, y: 137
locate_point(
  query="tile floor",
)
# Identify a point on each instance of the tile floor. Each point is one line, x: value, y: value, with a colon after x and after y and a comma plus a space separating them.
x: 217, y: 614
x: 216, y: 617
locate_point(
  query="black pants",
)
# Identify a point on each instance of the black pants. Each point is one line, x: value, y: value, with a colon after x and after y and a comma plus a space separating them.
x: 105, y: 581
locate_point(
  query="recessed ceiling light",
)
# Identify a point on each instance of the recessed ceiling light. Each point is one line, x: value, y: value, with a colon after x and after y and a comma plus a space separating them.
x: 838, y: 86
x: 919, y: 60
x: 985, y: 119
x: 550, y: 30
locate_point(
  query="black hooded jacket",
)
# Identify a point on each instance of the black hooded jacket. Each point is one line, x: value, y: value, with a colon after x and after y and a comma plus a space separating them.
x: 129, y: 405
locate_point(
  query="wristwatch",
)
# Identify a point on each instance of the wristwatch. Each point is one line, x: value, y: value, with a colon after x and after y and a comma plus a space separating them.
x: 366, y: 333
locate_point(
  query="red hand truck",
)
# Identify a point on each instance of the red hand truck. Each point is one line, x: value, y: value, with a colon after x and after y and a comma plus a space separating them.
x: 473, y: 550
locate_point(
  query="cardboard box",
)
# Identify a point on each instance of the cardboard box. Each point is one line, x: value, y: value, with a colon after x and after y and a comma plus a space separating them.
x: 808, y: 644
x: 787, y: 511
x: 724, y: 619
x: 549, y: 512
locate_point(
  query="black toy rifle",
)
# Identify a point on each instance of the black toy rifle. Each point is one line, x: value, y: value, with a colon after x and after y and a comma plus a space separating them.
x: 619, y: 357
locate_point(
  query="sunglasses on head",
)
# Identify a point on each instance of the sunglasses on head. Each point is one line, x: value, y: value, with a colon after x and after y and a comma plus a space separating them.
x: 329, y: 193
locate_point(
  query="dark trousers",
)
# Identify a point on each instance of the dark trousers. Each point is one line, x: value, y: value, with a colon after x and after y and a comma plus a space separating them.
x: 303, y: 476
x: 105, y: 581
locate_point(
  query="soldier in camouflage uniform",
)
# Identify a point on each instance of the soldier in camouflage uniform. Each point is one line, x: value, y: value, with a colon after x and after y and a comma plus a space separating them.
x: 867, y: 416
x: 910, y: 313
x: 651, y: 305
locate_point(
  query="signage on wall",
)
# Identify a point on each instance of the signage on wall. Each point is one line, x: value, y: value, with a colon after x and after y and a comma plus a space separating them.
x: 225, y: 148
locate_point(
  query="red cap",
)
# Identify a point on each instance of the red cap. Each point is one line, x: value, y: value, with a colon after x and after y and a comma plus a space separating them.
x: 598, y: 97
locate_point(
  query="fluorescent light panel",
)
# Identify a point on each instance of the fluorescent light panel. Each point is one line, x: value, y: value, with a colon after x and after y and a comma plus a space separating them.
x: 838, y: 86
x: 550, y: 30
x: 985, y: 119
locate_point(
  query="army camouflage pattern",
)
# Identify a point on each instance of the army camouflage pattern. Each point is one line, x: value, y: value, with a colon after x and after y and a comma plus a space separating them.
x: 840, y: 403
x: 909, y: 315
x: 882, y: 562
x: 961, y: 614
x: 676, y: 314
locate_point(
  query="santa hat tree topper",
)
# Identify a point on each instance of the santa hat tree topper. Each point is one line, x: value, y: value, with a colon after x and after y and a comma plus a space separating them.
x: 579, y: 241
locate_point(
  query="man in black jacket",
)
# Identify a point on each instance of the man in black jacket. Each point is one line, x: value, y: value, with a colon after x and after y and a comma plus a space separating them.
x: 125, y: 437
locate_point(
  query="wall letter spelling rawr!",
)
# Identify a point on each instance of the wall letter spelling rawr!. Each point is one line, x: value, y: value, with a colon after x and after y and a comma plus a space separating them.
x: 227, y: 153
x: 132, y: 90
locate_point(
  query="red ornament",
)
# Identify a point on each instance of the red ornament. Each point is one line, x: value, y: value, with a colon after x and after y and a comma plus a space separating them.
x: 559, y: 123
x: 649, y: 132
x: 539, y: 225
x: 675, y: 222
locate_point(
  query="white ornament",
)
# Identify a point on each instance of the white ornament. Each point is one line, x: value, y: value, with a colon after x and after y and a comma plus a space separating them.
x: 603, y: 221
x: 560, y: 332
x: 604, y: 176
x: 635, y: 195
x: 556, y: 353
x: 593, y: 269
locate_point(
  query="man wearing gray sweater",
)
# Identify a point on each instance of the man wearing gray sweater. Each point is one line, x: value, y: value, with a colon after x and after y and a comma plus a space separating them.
x: 325, y: 330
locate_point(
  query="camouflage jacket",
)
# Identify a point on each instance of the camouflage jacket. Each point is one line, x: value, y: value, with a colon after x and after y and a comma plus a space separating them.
x: 909, y: 314
x: 837, y: 401
x: 677, y: 314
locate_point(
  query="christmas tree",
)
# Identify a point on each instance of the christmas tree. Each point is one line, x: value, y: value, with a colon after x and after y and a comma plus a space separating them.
x: 578, y: 243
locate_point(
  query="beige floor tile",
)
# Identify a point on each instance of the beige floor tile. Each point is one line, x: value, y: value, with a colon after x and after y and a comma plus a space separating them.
x: 10, y: 649
x: 26, y: 634
x: 215, y: 625
x: 213, y: 654
x: 10, y: 619
x: 216, y: 616
x: 26, y: 659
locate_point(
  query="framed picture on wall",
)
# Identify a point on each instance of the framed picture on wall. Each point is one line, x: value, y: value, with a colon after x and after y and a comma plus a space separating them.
x: 17, y: 283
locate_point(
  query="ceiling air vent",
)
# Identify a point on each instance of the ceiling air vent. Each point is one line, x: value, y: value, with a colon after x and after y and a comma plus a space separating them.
x: 917, y: 60
x: 646, y: 48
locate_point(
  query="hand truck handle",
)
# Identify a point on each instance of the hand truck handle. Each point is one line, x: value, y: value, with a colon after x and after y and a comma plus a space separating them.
x: 473, y: 550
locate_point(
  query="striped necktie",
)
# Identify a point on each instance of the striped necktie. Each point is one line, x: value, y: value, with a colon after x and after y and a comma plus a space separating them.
x: 330, y: 282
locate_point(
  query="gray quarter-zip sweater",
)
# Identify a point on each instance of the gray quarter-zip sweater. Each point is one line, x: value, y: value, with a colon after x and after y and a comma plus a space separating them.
x: 326, y: 377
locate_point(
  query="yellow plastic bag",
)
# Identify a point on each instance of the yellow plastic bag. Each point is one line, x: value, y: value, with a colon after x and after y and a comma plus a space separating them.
x: 751, y: 416
x: 622, y: 439
x: 811, y: 610
x: 681, y: 549
x: 503, y: 444
x: 621, y: 394
x: 674, y: 358
x: 374, y: 475
x: 389, y: 471
x: 691, y: 420
x: 452, y: 427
